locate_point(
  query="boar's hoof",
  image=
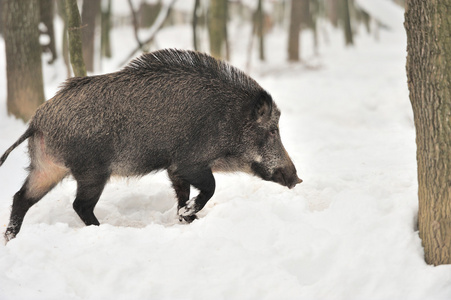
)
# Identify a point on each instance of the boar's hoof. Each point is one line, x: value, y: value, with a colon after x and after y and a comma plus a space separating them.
x: 187, y: 219
x: 188, y: 212
x: 189, y: 209
x: 9, y: 234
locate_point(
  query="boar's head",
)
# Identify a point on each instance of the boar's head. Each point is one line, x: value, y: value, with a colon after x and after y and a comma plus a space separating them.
x: 266, y: 154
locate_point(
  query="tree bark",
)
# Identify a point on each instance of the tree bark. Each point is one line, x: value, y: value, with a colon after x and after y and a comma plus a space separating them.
x: 23, y: 57
x: 217, y: 28
x: 90, y: 11
x: 74, y: 32
x: 428, y: 27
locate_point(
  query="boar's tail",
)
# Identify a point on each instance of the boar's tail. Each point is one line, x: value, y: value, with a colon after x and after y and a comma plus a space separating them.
x: 30, y: 131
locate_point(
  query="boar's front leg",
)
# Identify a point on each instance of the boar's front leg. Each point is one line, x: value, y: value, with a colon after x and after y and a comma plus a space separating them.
x: 204, y: 181
x: 89, y: 189
x: 182, y: 190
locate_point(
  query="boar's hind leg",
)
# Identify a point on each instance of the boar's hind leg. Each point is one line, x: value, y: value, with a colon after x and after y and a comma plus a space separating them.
x: 89, y: 189
x: 204, y: 181
x: 44, y: 175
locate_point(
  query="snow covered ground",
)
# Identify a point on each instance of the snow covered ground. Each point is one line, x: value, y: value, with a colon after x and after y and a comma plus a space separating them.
x: 347, y: 232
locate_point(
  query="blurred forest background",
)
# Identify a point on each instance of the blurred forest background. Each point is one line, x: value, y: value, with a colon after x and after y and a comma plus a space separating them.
x: 28, y: 30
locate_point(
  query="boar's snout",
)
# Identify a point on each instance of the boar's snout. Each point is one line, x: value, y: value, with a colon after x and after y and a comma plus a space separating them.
x: 286, y: 177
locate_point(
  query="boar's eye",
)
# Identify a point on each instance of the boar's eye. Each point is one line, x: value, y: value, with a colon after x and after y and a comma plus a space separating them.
x: 273, y: 131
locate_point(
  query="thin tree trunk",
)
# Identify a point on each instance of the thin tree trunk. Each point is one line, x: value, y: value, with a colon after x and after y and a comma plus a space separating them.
x: 194, y: 23
x: 299, y: 15
x: 346, y: 19
x: 66, y: 51
x: 217, y: 28
x: 61, y: 4
x: 260, y: 30
x: 315, y: 13
x: 295, y: 28
x: 23, y: 57
x: 105, y: 43
x: 332, y: 11
x: 428, y: 29
x: 47, y: 13
x: 135, y: 23
x: 89, y: 13
x: 250, y: 45
x: 74, y: 32
x: 1, y: 16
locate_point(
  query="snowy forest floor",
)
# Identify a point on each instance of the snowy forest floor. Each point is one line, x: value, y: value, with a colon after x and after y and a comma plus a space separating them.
x: 347, y: 232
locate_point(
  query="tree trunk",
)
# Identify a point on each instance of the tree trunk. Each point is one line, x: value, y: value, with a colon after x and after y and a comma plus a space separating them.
x: 74, y: 32
x: 346, y: 19
x: 332, y: 11
x: 217, y: 28
x: 61, y: 5
x: 315, y: 14
x: 47, y: 13
x: 105, y: 43
x: 260, y: 30
x: 90, y: 11
x: 428, y: 29
x: 1, y: 17
x: 295, y: 28
x: 23, y: 57
x: 194, y: 24
x: 135, y: 24
x: 299, y: 14
x: 65, y: 50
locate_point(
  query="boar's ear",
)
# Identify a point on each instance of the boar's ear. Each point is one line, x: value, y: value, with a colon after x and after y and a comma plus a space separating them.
x: 263, y: 106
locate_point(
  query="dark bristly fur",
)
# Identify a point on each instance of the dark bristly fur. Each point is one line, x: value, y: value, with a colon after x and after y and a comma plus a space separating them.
x: 182, y: 111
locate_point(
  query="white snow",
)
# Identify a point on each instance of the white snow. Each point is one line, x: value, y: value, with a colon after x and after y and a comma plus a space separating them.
x: 347, y: 232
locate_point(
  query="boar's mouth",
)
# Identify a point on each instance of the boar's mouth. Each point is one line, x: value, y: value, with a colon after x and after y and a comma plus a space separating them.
x: 286, y: 177
x: 283, y: 176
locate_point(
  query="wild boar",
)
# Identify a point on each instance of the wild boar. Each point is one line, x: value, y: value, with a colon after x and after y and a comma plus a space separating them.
x: 182, y: 111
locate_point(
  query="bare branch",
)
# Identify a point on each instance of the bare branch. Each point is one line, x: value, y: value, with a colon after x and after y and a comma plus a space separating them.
x: 135, y: 23
x: 162, y: 17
